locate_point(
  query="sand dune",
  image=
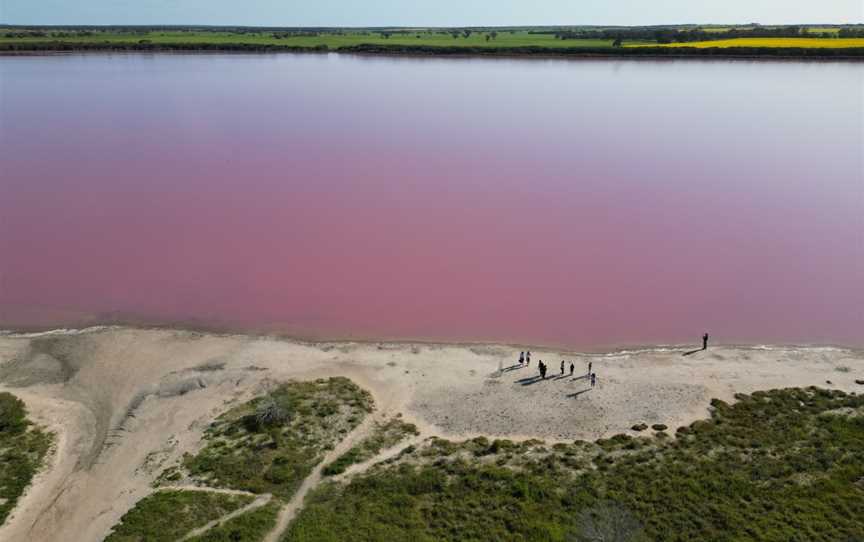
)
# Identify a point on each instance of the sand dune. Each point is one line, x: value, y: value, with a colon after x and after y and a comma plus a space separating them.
x: 124, y: 403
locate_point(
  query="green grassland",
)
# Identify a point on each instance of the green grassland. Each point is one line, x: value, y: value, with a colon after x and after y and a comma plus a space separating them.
x: 805, y: 43
x: 23, y: 447
x: 307, y: 40
x: 812, y: 41
x: 783, y: 465
x: 384, y: 435
x: 167, y: 516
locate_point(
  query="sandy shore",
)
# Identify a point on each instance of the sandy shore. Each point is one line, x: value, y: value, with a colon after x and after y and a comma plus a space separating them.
x: 124, y: 403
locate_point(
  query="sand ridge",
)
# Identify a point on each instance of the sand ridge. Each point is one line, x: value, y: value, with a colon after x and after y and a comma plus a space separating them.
x: 125, y: 403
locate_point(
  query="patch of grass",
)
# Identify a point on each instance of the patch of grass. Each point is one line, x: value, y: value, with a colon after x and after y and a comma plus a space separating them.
x: 170, y: 515
x: 384, y: 436
x: 270, y: 444
x: 22, y: 450
x: 806, y: 43
x: 331, y: 40
x: 249, y: 527
x: 779, y: 465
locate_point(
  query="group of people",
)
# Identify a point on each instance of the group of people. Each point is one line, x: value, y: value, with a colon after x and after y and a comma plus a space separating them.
x: 525, y: 359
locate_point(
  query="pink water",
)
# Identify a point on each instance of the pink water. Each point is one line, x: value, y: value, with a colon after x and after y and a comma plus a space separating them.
x: 581, y: 203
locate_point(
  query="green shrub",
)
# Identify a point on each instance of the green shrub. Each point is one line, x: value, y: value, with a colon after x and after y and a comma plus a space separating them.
x: 272, y: 443
x: 170, y: 515
x: 771, y: 467
x: 22, y: 450
x: 251, y: 526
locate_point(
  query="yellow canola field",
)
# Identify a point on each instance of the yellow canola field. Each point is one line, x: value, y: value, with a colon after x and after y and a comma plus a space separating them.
x: 806, y: 43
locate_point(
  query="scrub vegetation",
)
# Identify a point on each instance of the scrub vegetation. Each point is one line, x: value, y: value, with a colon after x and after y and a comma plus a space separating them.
x: 170, y: 515
x: 265, y: 447
x: 23, y: 447
x: 270, y: 444
x: 251, y: 526
x: 779, y: 465
x: 384, y: 435
x: 564, y: 40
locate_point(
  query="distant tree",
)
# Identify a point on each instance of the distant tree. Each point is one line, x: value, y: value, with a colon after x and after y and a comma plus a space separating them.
x: 487, y: 37
x: 466, y: 33
x: 494, y: 35
x: 617, y: 42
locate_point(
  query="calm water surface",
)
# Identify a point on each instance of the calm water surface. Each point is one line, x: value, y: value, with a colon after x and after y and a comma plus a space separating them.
x: 582, y: 203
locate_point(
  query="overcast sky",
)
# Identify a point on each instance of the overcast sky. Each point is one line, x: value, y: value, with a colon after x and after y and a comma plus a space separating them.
x: 428, y: 12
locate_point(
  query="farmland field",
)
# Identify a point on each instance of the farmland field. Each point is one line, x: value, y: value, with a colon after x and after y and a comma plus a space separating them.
x: 331, y: 40
x: 806, y: 43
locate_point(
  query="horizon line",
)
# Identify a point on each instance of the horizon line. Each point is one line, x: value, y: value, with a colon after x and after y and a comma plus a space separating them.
x: 417, y: 27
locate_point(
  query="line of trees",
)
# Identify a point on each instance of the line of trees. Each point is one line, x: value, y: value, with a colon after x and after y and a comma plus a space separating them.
x: 434, y: 50
x: 857, y: 32
x: 674, y: 35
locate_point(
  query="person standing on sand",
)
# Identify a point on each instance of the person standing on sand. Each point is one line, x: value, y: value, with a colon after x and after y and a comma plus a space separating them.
x: 521, y: 358
x: 705, y: 341
x: 590, y: 363
x: 572, y: 368
x: 528, y: 358
x: 593, y: 379
x: 542, y: 369
x: 562, y: 367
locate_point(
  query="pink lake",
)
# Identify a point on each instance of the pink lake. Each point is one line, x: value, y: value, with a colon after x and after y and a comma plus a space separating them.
x: 574, y: 203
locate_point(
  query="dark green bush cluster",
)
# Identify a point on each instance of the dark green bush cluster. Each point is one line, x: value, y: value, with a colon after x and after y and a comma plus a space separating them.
x: 270, y: 444
x: 251, y: 526
x: 783, y: 465
x: 384, y: 436
x: 170, y: 515
x: 145, y: 45
x: 22, y: 450
x: 633, y: 52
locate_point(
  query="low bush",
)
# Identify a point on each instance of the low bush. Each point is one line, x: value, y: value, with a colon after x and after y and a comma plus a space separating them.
x: 23, y: 448
x: 777, y: 466
x: 168, y: 516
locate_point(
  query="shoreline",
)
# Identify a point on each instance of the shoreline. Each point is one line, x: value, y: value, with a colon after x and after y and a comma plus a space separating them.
x: 600, y: 350
x: 124, y: 401
x: 853, y: 54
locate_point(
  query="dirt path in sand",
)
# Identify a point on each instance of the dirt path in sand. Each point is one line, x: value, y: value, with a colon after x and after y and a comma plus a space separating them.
x: 126, y: 403
x: 290, y: 510
x: 260, y: 500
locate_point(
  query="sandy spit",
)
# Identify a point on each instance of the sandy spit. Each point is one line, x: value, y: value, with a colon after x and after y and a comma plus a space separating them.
x: 125, y: 403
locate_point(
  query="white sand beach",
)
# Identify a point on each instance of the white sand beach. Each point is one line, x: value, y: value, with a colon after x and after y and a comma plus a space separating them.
x: 125, y: 403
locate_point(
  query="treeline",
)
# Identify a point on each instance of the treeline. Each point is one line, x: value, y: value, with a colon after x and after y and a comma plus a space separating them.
x: 674, y: 35
x: 857, y: 32
x: 40, y: 34
x: 726, y: 52
x: 147, y: 45
x: 434, y: 50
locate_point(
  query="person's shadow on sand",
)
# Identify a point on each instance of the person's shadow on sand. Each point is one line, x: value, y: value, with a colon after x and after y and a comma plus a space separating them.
x: 511, y: 368
x: 530, y: 380
x: 578, y: 393
x: 690, y: 353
